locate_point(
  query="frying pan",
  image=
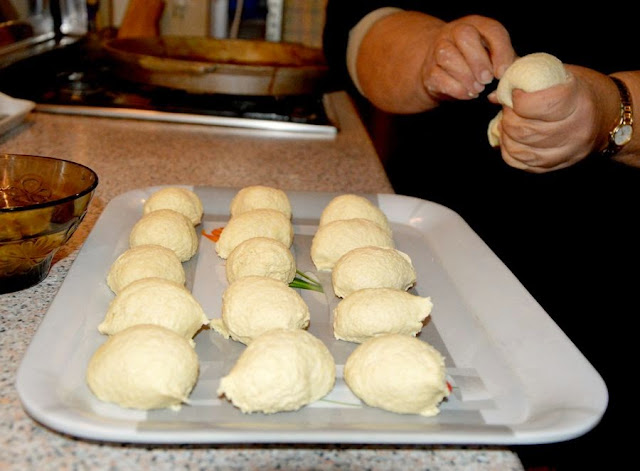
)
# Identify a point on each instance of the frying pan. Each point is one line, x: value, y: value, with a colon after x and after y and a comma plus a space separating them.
x: 227, y: 66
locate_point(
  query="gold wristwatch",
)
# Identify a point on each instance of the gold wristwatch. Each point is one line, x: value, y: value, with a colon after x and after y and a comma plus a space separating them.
x: 623, y: 131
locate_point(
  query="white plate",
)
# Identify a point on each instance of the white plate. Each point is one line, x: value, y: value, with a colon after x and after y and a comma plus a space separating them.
x: 13, y: 111
x: 517, y: 378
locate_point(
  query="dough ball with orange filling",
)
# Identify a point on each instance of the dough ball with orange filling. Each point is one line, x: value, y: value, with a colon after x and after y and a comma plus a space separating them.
x: 260, y: 196
x: 154, y: 301
x: 144, y: 367
x: 371, y: 312
x: 255, y: 223
x: 261, y: 256
x: 334, y: 239
x: 168, y: 228
x: 281, y: 370
x: 179, y: 199
x: 398, y: 373
x: 145, y: 261
x: 350, y: 206
x: 372, y: 267
x: 253, y: 305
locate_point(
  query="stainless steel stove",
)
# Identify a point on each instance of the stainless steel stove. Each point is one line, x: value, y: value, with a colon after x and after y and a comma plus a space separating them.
x: 73, y: 75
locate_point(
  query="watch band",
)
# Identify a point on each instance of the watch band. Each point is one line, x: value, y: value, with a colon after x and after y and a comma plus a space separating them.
x: 625, y: 123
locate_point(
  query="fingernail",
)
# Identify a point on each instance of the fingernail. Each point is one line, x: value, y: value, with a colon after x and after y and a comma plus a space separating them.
x: 478, y: 87
x: 486, y: 77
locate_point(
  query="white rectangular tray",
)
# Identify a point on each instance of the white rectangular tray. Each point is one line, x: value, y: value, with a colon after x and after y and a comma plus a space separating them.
x: 517, y: 379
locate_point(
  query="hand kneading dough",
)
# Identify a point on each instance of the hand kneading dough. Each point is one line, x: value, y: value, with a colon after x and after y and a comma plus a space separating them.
x: 155, y: 301
x: 372, y: 267
x: 261, y: 256
x: 258, y: 197
x: 145, y: 261
x: 253, y: 305
x: 168, y: 228
x: 372, y: 312
x: 255, y: 223
x: 397, y: 373
x: 353, y: 206
x: 334, y: 239
x: 179, y: 199
x: 281, y: 370
x: 144, y: 367
x: 530, y: 73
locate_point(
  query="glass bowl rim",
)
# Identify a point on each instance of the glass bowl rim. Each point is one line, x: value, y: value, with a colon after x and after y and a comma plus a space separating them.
x: 55, y: 202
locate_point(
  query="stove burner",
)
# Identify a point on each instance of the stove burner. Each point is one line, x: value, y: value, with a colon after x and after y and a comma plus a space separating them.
x: 76, y: 85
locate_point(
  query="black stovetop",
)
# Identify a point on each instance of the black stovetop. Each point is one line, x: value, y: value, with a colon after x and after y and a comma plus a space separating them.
x: 80, y: 75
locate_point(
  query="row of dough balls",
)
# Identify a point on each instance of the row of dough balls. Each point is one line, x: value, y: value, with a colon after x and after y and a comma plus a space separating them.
x: 390, y: 369
x: 283, y: 367
x: 148, y: 360
x: 256, y: 243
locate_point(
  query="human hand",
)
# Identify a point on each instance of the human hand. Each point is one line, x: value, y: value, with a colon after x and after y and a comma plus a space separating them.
x: 464, y: 56
x: 553, y: 128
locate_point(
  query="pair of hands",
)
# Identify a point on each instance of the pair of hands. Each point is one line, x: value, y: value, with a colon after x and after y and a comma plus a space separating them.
x: 545, y: 130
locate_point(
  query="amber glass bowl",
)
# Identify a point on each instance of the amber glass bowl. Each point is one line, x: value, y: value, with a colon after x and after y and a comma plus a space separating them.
x: 42, y: 202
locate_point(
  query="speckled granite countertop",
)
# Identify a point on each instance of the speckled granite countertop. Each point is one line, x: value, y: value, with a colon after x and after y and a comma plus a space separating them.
x: 132, y: 154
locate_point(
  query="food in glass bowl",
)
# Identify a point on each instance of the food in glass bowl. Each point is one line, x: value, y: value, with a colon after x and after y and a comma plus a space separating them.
x: 43, y: 200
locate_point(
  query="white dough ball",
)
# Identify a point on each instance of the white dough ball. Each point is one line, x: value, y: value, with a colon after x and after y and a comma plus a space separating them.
x: 168, y: 228
x: 253, y: 305
x: 145, y: 261
x: 144, y: 367
x: 398, y: 373
x: 154, y: 301
x: 260, y: 196
x: 281, y: 370
x: 372, y: 267
x: 179, y: 199
x: 261, y: 256
x: 350, y: 206
x: 255, y: 223
x: 334, y: 239
x: 372, y: 312
x: 531, y: 73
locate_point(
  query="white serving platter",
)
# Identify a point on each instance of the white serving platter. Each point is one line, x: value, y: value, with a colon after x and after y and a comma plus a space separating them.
x: 516, y: 377
x: 13, y: 111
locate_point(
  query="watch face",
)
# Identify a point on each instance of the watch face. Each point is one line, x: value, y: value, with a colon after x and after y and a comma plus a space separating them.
x: 623, y: 135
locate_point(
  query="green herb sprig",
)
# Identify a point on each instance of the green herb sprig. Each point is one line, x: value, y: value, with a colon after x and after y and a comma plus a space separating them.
x: 302, y: 281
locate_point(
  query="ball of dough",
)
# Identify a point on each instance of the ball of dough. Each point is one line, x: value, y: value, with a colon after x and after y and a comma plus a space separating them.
x: 372, y: 312
x: 397, y: 373
x: 351, y: 206
x: 260, y: 196
x: 145, y: 261
x: 372, y: 267
x: 493, y: 132
x: 168, y: 228
x: 144, y: 367
x: 530, y: 73
x: 154, y: 301
x: 334, y: 239
x: 255, y: 223
x: 281, y: 370
x: 179, y: 199
x: 253, y: 305
x: 261, y: 256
